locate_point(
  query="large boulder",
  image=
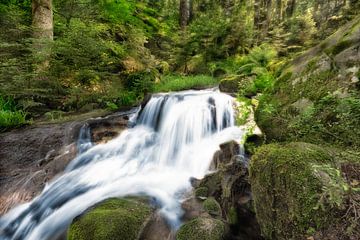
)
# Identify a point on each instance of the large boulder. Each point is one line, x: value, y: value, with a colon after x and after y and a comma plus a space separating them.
x: 296, y: 189
x: 114, y: 219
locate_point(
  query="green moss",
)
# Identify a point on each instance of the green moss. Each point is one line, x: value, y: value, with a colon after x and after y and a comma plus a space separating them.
x: 201, y: 192
x: 339, y: 47
x: 287, y: 191
x: 230, y: 84
x: 202, y: 229
x: 232, y: 216
x: 212, y: 206
x: 114, y: 219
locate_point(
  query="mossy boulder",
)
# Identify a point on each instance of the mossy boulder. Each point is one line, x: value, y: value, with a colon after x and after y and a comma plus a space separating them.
x: 114, y: 219
x: 287, y: 190
x: 202, y: 228
x: 201, y: 192
x: 212, y: 207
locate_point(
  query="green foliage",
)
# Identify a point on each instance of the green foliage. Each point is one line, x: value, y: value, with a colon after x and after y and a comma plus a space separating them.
x: 10, y: 115
x: 302, y: 29
x: 258, y: 63
x: 334, y: 187
x: 244, y: 110
x: 141, y: 83
x: 178, y: 83
x: 258, y: 58
x: 54, y: 115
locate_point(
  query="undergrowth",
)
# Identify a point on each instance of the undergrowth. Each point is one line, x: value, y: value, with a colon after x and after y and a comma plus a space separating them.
x: 177, y: 83
x: 10, y: 115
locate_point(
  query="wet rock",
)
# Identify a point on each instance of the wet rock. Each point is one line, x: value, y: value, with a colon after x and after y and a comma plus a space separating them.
x: 194, y: 182
x: 105, y: 129
x: 225, y: 154
x: 229, y: 189
x: 32, y: 156
x: 26, y: 157
x: 193, y: 208
x: 156, y: 228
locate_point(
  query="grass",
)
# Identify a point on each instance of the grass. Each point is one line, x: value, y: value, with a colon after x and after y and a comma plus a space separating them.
x: 177, y: 83
x: 10, y: 116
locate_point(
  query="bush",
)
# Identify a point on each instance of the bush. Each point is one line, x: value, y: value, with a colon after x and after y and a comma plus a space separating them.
x: 10, y: 116
x: 178, y: 83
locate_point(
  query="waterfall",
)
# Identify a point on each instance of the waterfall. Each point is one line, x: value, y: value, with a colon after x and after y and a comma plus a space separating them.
x: 174, y: 139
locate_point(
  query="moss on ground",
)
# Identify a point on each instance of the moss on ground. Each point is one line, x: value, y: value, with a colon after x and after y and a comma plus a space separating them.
x: 202, y: 228
x: 287, y: 189
x: 114, y: 219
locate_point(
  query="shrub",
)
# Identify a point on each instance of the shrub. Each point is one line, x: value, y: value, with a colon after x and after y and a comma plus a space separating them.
x: 10, y: 116
x: 178, y: 83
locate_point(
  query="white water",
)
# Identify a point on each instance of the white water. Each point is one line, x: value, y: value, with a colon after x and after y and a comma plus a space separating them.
x: 174, y: 139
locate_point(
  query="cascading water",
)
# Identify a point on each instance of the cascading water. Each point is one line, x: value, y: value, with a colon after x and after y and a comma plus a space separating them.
x: 174, y: 139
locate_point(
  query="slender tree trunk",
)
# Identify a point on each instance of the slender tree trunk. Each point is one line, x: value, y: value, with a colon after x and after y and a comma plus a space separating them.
x: 268, y: 15
x: 291, y: 6
x: 42, y: 19
x: 42, y: 24
x: 184, y: 13
x: 279, y: 10
x: 227, y: 7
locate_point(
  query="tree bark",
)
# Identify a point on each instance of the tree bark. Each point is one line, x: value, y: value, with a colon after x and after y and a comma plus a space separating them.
x: 291, y: 6
x: 184, y: 13
x: 42, y: 24
x: 42, y: 19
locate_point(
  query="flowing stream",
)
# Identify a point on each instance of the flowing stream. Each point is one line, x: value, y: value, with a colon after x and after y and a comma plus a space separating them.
x: 174, y: 139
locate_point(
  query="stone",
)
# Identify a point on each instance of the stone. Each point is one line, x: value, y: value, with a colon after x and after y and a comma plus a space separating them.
x: 287, y: 190
x: 156, y: 228
x: 113, y: 219
x: 212, y: 207
x: 193, y: 208
x: 202, y: 228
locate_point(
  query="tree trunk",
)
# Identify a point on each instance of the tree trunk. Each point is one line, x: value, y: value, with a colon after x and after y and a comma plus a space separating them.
x: 291, y: 6
x: 42, y: 19
x: 279, y: 11
x: 42, y: 24
x: 184, y: 13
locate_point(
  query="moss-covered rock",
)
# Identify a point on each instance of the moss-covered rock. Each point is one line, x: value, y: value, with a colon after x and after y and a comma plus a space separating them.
x: 287, y: 188
x: 201, y: 192
x: 202, y: 228
x: 229, y: 84
x: 114, y: 219
x: 234, y: 83
x: 212, y: 206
